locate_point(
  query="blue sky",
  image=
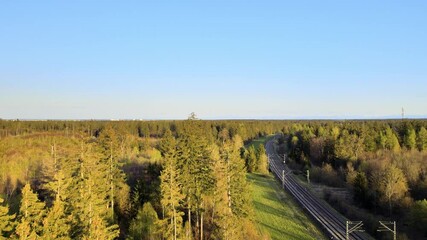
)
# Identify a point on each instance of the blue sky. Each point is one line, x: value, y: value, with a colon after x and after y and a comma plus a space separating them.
x: 219, y: 59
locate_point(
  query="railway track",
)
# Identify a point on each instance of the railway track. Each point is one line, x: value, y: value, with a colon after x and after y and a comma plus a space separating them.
x: 332, y: 222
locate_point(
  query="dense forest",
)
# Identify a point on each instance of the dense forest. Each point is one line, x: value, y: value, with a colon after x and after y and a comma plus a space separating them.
x: 126, y: 179
x: 382, y: 164
x: 187, y: 179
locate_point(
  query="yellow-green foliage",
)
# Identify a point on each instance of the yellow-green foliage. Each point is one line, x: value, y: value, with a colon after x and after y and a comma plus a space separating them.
x: 276, y: 213
x: 21, y: 158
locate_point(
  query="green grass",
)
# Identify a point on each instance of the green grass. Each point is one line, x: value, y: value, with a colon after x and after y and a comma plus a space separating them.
x: 277, y: 214
x: 259, y: 141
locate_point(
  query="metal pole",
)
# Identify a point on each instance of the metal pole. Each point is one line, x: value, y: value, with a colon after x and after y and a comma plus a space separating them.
x: 346, y: 230
x: 394, y: 225
x: 283, y: 178
x: 308, y: 176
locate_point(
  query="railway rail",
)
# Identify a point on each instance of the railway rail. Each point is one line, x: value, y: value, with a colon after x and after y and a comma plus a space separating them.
x: 332, y: 222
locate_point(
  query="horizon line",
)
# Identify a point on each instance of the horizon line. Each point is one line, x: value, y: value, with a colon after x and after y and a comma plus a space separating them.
x: 308, y: 118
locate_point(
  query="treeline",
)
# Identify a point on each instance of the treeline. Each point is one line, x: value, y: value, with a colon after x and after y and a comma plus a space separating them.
x: 383, y: 163
x: 246, y: 129
x: 106, y: 180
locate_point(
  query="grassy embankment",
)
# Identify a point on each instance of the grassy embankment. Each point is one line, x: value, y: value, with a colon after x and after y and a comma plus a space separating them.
x: 276, y: 212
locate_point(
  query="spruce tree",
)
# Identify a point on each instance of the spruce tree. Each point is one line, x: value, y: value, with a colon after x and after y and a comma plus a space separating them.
x: 99, y: 230
x: 56, y: 224
x: 231, y: 195
x: 262, y: 160
x: 170, y: 190
x: 239, y: 189
x: 31, y: 213
x: 91, y: 199
x: 410, y: 139
x: 145, y: 225
x: 6, y: 220
x: 184, y: 163
x: 422, y: 139
x: 251, y: 160
x: 109, y: 145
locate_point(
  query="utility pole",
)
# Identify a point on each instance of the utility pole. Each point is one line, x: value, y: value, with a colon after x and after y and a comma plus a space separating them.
x: 283, y: 178
x: 386, y: 226
x: 351, y: 226
x: 403, y: 113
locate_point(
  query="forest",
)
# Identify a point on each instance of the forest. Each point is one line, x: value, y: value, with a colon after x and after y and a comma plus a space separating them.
x: 126, y: 179
x: 381, y: 164
x: 187, y: 179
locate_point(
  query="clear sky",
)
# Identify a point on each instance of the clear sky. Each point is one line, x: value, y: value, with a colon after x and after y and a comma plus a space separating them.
x: 219, y: 59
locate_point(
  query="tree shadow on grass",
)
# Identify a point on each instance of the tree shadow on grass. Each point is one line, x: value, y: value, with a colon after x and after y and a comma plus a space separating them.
x: 259, y: 180
x: 281, y: 232
x: 265, y: 209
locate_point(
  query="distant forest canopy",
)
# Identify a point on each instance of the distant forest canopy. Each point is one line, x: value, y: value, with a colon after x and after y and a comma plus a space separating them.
x: 186, y: 179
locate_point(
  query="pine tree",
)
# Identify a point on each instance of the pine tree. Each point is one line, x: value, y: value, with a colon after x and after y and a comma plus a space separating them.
x: 6, y: 220
x: 31, y: 213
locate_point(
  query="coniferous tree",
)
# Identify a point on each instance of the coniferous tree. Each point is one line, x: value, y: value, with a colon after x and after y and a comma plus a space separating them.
x: 185, y: 179
x: 170, y: 190
x: 99, y: 230
x: 422, y: 139
x: 360, y: 187
x: 239, y: 194
x: 56, y: 224
x: 91, y: 204
x: 410, y: 138
x: 227, y: 224
x: 392, y: 142
x: 251, y: 159
x: 145, y: 225
x: 108, y: 141
x: 202, y: 177
x: 262, y: 160
x: 6, y: 221
x: 31, y: 213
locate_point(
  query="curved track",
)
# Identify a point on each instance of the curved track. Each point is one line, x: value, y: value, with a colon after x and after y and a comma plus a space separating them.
x: 332, y: 222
